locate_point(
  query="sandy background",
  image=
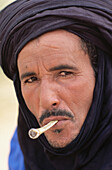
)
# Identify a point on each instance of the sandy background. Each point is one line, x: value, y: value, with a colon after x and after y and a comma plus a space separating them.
x: 8, y: 112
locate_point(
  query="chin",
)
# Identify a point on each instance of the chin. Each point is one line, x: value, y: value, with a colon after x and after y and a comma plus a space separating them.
x: 58, y: 144
x: 59, y: 141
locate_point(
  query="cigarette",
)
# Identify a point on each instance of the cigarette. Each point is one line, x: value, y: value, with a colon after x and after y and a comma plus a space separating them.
x: 35, y: 133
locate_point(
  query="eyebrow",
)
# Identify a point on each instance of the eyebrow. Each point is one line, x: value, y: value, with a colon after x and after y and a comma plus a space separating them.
x: 62, y: 66
x: 59, y: 67
x: 27, y: 74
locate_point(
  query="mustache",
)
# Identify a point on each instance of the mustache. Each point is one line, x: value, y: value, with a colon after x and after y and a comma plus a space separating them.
x: 59, y: 112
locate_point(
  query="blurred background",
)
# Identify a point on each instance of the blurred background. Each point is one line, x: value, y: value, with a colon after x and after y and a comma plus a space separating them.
x: 8, y: 111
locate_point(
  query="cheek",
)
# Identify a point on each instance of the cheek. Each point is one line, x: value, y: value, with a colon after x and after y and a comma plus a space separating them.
x: 80, y: 99
x: 79, y: 94
x: 29, y: 99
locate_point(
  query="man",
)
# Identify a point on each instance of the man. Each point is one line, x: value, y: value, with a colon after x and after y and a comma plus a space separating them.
x: 58, y: 53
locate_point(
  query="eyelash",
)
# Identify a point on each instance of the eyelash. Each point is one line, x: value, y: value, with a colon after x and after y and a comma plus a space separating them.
x: 60, y: 74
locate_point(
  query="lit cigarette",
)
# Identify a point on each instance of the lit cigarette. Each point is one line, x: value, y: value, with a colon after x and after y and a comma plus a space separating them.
x: 35, y: 133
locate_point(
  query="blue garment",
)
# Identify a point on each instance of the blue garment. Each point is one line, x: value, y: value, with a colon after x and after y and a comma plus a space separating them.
x: 16, y: 160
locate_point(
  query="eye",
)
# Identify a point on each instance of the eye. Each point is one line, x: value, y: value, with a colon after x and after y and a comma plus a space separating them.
x: 65, y: 73
x: 30, y: 80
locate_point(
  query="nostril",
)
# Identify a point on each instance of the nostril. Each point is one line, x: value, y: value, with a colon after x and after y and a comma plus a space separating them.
x: 54, y: 104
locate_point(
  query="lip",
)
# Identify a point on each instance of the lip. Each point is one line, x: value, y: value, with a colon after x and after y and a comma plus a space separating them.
x: 59, y: 118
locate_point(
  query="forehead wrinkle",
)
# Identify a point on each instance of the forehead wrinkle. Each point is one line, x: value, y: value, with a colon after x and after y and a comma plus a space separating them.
x: 47, y: 44
x: 53, y: 39
x: 51, y: 46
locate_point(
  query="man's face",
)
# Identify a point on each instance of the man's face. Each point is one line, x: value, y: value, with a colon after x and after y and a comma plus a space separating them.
x: 57, y: 83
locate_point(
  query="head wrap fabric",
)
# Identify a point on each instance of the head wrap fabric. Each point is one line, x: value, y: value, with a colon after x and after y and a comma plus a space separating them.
x: 92, y: 21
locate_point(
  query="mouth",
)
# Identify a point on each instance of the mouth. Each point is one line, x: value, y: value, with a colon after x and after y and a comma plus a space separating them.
x: 61, y: 120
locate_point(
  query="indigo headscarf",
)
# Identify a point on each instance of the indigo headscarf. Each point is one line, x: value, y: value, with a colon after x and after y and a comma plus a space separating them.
x: 91, y: 20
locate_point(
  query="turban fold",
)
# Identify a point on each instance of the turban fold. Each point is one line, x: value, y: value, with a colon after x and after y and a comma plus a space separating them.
x: 25, y: 20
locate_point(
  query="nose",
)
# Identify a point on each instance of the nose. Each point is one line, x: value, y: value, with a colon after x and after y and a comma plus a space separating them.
x: 49, y: 97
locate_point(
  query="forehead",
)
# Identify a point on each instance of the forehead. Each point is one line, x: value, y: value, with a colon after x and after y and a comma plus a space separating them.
x: 55, y: 45
x: 58, y: 37
x: 55, y: 39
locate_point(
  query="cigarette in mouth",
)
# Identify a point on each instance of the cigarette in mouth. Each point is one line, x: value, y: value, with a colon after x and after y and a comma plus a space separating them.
x: 35, y: 133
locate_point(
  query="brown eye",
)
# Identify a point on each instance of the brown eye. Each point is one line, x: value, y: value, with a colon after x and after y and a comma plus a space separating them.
x: 31, y: 80
x: 65, y: 73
